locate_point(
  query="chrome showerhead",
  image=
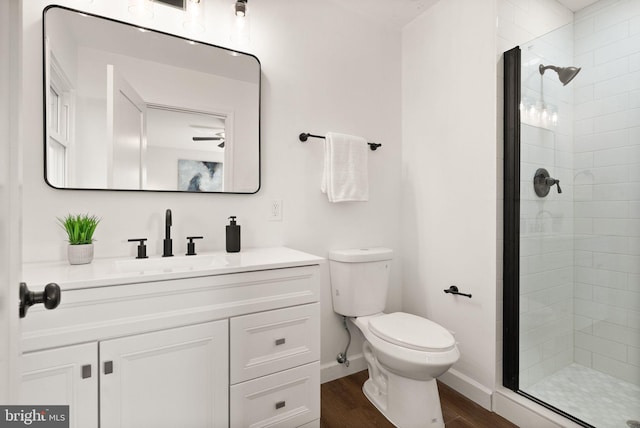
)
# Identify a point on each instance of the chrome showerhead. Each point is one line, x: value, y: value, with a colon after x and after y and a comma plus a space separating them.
x: 565, y: 74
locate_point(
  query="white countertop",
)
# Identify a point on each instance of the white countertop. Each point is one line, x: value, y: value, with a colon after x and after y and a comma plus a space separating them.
x: 111, y: 271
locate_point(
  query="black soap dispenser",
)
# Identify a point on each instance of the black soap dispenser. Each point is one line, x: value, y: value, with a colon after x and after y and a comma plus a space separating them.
x: 233, y: 236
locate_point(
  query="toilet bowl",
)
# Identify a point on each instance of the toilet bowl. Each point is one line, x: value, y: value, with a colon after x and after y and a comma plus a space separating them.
x: 404, y: 352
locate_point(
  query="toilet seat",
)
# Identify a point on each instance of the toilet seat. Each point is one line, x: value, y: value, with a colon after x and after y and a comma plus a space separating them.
x: 412, y: 332
x: 398, y: 357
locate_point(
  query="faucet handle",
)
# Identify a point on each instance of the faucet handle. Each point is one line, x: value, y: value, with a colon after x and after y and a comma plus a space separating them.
x: 191, y: 246
x: 142, y: 248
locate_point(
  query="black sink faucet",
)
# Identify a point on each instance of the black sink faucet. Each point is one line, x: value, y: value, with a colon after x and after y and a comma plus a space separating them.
x: 168, y: 251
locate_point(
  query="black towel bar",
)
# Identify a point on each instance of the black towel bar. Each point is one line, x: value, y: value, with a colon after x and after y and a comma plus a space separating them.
x: 305, y: 136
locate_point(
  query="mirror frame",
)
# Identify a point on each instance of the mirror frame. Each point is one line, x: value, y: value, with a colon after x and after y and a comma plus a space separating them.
x: 45, y: 90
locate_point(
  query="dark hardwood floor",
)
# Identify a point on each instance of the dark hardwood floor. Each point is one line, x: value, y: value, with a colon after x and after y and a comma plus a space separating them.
x: 343, y: 405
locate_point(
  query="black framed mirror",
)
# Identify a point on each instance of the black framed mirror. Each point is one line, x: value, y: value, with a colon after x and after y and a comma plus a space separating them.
x: 128, y: 108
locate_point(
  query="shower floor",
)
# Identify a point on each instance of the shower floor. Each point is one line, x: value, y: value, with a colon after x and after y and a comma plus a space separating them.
x: 594, y: 397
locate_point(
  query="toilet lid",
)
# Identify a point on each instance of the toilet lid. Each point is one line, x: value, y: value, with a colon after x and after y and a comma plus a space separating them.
x: 412, y: 331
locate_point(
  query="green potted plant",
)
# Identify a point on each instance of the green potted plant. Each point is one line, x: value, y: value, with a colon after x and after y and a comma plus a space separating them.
x: 80, y: 229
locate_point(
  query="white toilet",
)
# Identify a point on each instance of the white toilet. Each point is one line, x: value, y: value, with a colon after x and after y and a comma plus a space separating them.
x: 404, y: 352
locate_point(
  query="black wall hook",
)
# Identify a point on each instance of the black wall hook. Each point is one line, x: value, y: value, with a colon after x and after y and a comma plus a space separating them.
x: 454, y: 290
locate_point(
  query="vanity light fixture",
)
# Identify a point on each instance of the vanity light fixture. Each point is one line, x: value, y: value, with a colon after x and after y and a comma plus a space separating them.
x: 193, y: 11
x: 179, y: 4
x: 141, y: 8
x: 240, y: 26
x: 194, y: 16
x: 241, y: 8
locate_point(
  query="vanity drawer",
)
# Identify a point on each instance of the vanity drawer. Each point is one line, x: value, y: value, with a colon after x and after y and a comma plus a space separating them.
x: 287, y: 399
x: 268, y: 342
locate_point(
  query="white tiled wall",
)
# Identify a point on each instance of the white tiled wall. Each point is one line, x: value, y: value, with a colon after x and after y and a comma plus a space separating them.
x: 520, y: 21
x: 607, y: 188
x: 580, y: 250
x: 546, y: 227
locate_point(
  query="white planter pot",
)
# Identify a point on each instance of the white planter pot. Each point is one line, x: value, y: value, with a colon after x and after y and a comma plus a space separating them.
x: 80, y: 254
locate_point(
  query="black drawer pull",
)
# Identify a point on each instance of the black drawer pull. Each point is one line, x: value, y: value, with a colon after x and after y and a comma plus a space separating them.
x: 280, y: 341
x: 108, y: 367
x: 280, y: 404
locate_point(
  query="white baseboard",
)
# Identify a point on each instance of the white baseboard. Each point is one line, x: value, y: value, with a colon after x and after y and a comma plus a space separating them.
x: 506, y: 403
x: 526, y: 413
x: 334, y: 370
x: 468, y: 387
x: 454, y: 379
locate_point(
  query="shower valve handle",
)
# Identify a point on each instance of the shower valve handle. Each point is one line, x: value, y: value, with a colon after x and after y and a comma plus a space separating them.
x: 551, y: 181
x: 542, y: 182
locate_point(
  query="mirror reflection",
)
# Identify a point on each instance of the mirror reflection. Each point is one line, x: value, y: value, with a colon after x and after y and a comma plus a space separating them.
x: 128, y: 109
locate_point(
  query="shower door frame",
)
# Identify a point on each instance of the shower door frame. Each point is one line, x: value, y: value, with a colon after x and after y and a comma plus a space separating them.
x: 511, y: 233
x: 511, y: 221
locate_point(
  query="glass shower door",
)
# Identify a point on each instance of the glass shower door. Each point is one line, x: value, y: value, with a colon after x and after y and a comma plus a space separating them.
x: 572, y: 218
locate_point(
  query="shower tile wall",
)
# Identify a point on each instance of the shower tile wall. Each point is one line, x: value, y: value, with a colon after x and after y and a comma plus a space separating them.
x: 546, y: 244
x: 607, y: 188
x: 520, y: 21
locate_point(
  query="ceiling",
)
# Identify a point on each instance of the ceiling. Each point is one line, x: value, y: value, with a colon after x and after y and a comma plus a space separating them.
x: 398, y: 13
x: 576, y: 5
x: 394, y: 13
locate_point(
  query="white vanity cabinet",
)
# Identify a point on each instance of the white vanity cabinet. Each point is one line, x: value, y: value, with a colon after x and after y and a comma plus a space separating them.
x: 169, y: 378
x: 236, y: 346
x: 274, y: 367
x: 63, y: 376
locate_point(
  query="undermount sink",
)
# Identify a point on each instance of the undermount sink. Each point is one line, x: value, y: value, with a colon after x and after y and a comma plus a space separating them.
x: 165, y: 264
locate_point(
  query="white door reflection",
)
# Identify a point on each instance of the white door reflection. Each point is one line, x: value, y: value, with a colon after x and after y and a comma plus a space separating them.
x: 126, y: 132
x: 188, y: 150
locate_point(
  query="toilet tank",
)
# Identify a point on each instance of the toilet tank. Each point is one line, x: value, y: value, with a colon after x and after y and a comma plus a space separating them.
x: 359, y: 280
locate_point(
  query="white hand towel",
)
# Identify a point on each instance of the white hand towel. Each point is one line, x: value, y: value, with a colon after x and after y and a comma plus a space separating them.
x: 345, y: 176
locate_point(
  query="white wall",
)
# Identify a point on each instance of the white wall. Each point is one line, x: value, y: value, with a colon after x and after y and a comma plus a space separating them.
x: 449, y: 178
x: 326, y: 69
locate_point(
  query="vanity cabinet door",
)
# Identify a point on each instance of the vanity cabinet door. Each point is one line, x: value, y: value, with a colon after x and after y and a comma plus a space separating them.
x: 63, y: 376
x: 171, y: 378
